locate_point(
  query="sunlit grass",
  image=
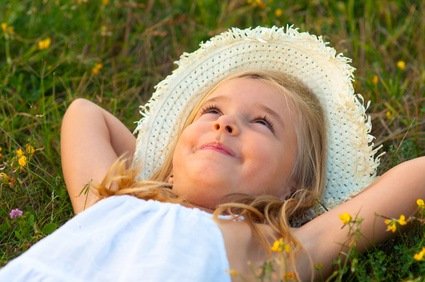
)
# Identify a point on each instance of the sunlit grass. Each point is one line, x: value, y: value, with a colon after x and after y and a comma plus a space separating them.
x: 114, y: 52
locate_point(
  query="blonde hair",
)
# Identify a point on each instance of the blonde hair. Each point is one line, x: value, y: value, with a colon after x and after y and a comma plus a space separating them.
x: 308, y: 173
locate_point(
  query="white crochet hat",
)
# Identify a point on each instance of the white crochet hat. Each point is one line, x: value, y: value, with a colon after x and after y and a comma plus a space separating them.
x: 351, y: 163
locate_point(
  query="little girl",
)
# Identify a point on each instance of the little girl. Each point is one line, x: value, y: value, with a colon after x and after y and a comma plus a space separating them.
x: 259, y: 127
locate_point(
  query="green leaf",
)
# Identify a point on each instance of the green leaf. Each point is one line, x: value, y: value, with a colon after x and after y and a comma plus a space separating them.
x: 49, y: 228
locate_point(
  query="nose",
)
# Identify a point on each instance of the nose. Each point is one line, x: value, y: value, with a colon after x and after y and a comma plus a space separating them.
x: 227, y: 124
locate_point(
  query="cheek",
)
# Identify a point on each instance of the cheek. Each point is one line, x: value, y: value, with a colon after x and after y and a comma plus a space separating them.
x: 266, y: 153
x: 184, y: 139
x: 178, y: 155
x: 184, y: 146
x: 277, y: 165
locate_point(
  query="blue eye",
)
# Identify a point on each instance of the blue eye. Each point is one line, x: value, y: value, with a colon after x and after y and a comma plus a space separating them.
x: 264, y: 121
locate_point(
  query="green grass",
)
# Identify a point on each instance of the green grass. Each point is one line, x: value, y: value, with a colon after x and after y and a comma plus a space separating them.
x: 137, y: 42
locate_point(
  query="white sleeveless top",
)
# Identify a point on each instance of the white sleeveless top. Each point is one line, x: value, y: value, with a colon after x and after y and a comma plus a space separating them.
x: 123, y: 238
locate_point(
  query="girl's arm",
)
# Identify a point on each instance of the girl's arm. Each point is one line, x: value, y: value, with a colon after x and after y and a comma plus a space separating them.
x: 91, y: 140
x: 391, y: 195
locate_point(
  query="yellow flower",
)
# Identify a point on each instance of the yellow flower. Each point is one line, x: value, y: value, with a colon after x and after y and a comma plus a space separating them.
x: 277, y: 245
x: 389, y: 115
x: 345, y: 218
x: 391, y: 225
x: 375, y: 79
x: 4, y: 27
x: 96, y: 68
x: 419, y: 202
x: 19, y: 153
x: 29, y: 149
x: 22, y: 161
x: 401, y: 65
x: 420, y: 255
x: 278, y: 12
x: 402, y: 220
x: 7, y: 29
x: 280, y: 246
x: 44, y: 43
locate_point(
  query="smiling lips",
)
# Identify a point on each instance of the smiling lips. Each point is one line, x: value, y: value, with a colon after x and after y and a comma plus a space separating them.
x: 218, y: 147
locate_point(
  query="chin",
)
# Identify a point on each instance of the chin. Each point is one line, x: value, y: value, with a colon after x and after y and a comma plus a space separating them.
x: 204, y: 202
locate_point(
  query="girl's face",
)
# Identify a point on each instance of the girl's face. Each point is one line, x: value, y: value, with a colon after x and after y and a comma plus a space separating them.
x: 241, y: 141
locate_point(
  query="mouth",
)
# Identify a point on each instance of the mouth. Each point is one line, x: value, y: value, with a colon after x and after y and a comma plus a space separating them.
x: 218, y: 147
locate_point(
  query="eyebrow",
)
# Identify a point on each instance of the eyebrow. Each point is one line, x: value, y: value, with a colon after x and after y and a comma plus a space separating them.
x: 217, y: 98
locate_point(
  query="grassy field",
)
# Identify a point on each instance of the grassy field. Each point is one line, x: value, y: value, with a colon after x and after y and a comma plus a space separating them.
x: 113, y: 52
